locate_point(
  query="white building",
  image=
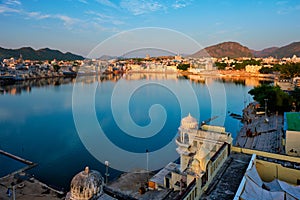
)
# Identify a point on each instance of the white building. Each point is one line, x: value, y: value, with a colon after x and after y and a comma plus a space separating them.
x: 254, y: 69
x: 202, y: 153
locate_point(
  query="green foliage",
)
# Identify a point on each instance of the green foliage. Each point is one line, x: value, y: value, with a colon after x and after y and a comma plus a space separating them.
x: 56, y: 67
x: 252, y: 62
x: 296, y: 97
x: 266, y: 70
x: 183, y: 67
x: 220, y: 65
x: 276, y: 67
x: 138, y: 59
x: 240, y: 66
x: 290, y: 70
x: 277, y: 99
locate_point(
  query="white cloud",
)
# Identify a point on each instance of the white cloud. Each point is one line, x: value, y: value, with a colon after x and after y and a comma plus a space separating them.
x: 68, y: 21
x: 38, y: 15
x: 12, y: 2
x: 6, y: 9
x: 178, y: 5
x: 107, y: 3
x: 103, y: 18
x: 181, y: 4
x: 137, y: 7
x: 10, y: 6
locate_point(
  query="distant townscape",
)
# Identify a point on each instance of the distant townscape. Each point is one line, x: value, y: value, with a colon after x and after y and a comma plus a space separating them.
x: 225, y: 59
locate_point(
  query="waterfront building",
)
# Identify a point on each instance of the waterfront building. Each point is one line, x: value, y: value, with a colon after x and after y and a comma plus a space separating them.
x: 253, y: 69
x: 202, y: 153
x: 292, y: 133
x: 285, y: 84
x: 211, y: 168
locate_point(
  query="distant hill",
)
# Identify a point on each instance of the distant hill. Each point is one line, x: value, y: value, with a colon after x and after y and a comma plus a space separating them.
x: 287, y: 51
x: 41, y: 54
x: 107, y: 57
x: 225, y: 49
x: 264, y: 53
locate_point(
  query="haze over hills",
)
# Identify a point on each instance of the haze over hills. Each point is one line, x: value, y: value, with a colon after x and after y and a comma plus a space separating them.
x: 41, y: 54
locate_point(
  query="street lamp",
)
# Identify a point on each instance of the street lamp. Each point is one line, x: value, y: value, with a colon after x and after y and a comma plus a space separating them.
x: 266, y: 107
x: 106, y: 173
x: 147, y: 160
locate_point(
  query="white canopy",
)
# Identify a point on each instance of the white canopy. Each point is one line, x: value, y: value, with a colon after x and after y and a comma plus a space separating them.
x: 276, y: 189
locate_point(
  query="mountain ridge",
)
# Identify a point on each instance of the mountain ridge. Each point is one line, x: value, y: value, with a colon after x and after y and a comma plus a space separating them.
x: 28, y: 53
x: 235, y: 50
x: 224, y: 49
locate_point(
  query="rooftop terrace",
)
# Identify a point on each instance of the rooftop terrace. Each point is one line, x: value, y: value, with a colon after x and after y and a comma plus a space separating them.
x: 227, y: 180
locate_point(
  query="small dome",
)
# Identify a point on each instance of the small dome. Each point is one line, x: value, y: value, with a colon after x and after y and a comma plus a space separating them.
x: 86, y: 185
x: 189, y: 122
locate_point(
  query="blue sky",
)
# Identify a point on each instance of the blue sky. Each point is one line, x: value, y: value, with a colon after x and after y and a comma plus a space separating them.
x: 79, y: 25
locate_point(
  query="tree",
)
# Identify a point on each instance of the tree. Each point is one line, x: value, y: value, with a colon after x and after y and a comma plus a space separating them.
x: 242, y: 65
x: 220, y: 65
x: 296, y: 97
x: 266, y: 70
x: 290, y: 70
x: 183, y: 67
x: 277, y: 100
x: 56, y: 68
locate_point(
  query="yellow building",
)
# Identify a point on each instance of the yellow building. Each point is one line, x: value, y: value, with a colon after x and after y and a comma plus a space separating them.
x: 269, y: 176
x: 254, y: 69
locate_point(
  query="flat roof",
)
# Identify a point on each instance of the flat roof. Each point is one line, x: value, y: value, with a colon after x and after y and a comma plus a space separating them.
x: 292, y: 120
x: 159, y: 178
x: 227, y: 180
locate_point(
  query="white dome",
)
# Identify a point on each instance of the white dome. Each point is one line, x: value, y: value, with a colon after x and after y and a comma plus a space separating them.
x: 189, y: 122
x: 86, y: 185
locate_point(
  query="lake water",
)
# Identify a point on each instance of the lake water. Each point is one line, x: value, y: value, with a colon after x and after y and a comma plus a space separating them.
x: 37, y: 118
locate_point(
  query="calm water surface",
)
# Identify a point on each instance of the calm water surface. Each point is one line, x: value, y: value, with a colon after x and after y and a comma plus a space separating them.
x: 36, y: 120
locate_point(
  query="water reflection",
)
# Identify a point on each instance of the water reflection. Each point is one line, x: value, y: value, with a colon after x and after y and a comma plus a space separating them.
x: 39, y: 119
x: 26, y: 86
x: 246, y: 81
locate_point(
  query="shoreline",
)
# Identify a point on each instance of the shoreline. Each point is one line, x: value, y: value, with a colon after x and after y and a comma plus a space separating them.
x: 213, y: 73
